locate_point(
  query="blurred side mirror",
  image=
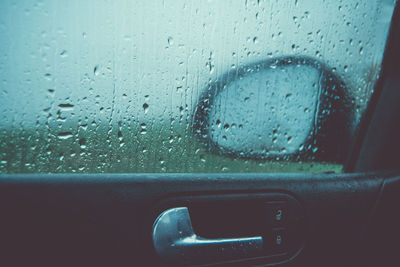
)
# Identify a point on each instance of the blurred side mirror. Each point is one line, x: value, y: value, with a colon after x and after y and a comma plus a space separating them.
x: 284, y: 108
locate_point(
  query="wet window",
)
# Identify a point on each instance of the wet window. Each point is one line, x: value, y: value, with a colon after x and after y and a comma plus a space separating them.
x: 186, y: 86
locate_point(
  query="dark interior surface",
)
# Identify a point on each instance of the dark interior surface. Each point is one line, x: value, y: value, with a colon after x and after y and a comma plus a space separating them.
x: 377, y: 145
x: 107, y: 219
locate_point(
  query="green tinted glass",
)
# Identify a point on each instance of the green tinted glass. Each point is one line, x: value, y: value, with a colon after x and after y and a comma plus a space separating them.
x: 185, y: 86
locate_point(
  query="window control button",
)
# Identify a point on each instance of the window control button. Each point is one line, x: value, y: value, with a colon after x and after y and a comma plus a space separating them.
x: 277, y: 213
x: 279, y: 242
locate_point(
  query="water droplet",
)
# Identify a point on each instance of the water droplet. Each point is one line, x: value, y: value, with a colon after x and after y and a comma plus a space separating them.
x: 64, y: 135
x: 145, y: 107
x: 170, y: 40
x: 47, y: 76
x: 143, y: 128
x: 66, y: 107
x: 64, y: 53
x: 82, y: 143
x: 83, y: 126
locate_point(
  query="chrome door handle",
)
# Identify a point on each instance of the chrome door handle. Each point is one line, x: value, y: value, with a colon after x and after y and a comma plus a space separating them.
x: 175, y: 242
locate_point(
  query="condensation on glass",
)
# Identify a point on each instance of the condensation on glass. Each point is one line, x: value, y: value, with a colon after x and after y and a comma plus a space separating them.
x: 185, y: 86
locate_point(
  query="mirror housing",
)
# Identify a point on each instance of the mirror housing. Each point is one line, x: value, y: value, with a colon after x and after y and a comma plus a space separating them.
x: 286, y: 108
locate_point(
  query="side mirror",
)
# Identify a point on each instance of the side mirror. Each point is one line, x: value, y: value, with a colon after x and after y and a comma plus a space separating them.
x: 284, y: 108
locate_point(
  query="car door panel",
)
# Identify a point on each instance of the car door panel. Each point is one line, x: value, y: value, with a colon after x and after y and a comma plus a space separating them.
x: 100, y: 219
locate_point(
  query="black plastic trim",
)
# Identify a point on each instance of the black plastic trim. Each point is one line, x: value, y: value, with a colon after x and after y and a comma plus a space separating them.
x: 377, y: 144
x: 103, y: 220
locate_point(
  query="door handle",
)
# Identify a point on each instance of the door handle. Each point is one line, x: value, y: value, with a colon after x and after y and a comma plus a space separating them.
x: 176, y: 243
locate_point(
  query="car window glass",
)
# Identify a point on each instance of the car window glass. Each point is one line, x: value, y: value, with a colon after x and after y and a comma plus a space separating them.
x: 186, y: 86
